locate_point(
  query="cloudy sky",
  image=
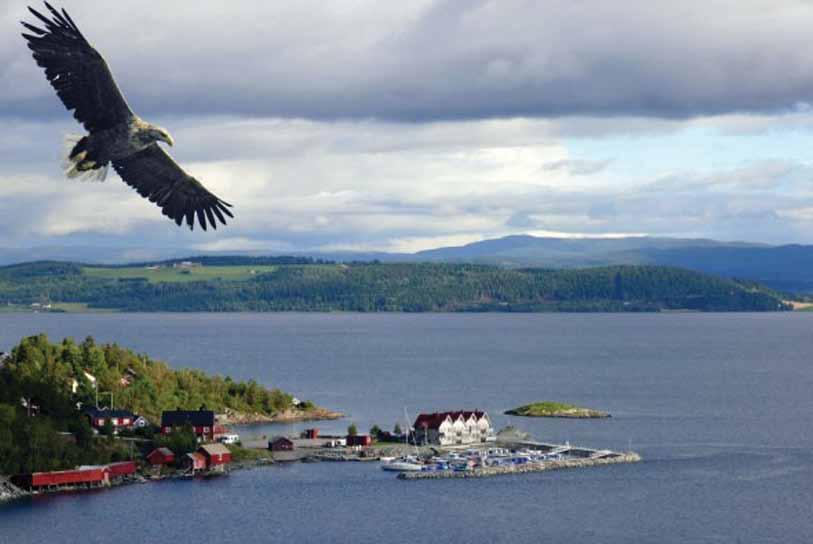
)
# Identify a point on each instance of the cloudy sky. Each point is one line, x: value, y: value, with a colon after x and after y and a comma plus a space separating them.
x: 407, y: 125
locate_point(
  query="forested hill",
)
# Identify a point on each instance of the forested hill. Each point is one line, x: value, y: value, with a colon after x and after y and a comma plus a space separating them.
x: 55, y: 380
x: 372, y: 287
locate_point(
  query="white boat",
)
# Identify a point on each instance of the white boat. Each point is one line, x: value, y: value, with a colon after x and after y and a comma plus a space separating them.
x: 406, y: 463
x: 403, y: 464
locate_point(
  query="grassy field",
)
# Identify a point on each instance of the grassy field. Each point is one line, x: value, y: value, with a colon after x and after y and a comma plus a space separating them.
x: 169, y: 274
x: 68, y: 307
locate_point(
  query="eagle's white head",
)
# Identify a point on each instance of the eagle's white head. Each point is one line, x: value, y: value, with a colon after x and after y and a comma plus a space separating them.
x: 159, y: 134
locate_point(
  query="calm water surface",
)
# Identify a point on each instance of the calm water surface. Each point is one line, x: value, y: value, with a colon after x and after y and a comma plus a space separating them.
x: 719, y: 405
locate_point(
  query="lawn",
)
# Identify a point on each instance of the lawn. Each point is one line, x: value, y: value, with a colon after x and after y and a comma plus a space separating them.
x: 169, y: 274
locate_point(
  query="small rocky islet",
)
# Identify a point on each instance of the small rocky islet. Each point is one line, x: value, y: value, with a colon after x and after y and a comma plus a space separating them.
x: 556, y: 409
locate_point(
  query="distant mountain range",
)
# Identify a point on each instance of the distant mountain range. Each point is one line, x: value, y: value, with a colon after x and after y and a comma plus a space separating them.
x: 786, y: 267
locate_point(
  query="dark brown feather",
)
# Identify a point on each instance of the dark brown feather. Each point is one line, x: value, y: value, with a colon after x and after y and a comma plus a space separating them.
x: 158, y: 178
x: 77, y: 72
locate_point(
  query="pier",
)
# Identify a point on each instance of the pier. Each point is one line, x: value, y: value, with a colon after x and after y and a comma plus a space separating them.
x: 484, y: 472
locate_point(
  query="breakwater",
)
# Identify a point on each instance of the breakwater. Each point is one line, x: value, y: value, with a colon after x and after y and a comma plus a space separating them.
x: 485, y: 472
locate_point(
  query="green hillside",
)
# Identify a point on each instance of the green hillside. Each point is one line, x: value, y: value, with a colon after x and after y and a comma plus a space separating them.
x: 42, y: 373
x: 233, y: 285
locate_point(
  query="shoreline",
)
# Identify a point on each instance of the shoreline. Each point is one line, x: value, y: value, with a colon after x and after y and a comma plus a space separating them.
x: 10, y: 493
x: 287, y: 416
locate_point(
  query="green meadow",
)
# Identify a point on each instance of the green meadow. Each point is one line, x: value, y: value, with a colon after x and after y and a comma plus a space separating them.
x: 168, y: 274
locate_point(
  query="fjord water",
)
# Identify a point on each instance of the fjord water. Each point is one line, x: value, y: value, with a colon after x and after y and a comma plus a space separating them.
x: 719, y: 405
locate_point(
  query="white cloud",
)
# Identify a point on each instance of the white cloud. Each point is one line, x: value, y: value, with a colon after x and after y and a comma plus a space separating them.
x: 300, y: 185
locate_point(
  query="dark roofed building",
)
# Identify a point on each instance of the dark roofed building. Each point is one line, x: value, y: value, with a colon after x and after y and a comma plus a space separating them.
x: 281, y: 443
x: 202, y: 422
x: 119, y: 419
x: 449, y: 428
x: 179, y: 418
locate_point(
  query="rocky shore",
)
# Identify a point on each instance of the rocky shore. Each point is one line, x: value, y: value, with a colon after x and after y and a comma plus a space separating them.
x: 288, y: 416
x: 485, y: 472
x: 9, y: 491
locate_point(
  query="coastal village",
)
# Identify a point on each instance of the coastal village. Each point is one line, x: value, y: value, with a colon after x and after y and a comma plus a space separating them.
x: 120, y: 446
x: 449, y: 444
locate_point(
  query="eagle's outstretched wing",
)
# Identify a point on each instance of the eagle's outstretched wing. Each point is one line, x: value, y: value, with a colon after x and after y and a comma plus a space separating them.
x: 157, y: 177
x: 77, y: 71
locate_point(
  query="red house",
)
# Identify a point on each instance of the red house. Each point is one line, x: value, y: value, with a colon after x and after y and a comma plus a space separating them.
x: 281, y: 444
x: 119, y: 419
x: 161, y: 456
x: 202, y: 422
x: 359, y: 440
x: 217, y: 456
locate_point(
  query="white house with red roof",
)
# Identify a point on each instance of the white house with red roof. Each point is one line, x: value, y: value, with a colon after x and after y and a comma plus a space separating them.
x: 453, y: 428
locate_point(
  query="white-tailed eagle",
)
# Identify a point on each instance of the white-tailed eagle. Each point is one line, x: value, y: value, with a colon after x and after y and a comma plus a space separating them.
x: 116, y: 135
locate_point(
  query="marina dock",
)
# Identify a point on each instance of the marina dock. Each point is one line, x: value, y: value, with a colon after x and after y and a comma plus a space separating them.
x: 484, y: 472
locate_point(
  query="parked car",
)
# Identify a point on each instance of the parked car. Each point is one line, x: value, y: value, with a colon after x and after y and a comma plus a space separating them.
x: 229, y: 439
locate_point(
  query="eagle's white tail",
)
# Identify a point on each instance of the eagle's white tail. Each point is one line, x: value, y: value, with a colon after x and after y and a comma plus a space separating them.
x: 71, y: 166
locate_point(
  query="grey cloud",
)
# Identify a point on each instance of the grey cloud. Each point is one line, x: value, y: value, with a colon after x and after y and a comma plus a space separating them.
x: 373, y: 185
x: 762, y: 175
x: 429, y: 60
x: 521, y: 220
x: 577, y: 167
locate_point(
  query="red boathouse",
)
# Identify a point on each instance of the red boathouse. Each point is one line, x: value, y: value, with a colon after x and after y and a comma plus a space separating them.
x: 119, y: 470
x: 161, y: 456
x: 87, y: 477
x: 217, y: 456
